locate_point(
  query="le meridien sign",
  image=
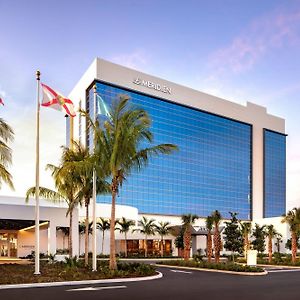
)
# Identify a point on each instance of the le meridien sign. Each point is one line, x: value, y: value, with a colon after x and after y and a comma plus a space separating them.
x: 152, y: 85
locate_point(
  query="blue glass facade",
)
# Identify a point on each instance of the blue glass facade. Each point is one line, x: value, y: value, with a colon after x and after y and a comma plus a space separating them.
x: 274, y: 174
x: 211, y: 170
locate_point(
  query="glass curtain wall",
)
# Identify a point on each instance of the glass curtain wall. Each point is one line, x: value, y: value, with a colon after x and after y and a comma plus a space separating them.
x: 211, y: 170
x: 274, y: 174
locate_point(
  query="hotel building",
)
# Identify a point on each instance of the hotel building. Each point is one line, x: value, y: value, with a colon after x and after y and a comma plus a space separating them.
x: 231, y: 157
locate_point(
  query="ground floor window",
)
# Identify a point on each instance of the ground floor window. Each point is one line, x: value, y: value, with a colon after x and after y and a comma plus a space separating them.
x: 8, y: 244
x: 137, y: 247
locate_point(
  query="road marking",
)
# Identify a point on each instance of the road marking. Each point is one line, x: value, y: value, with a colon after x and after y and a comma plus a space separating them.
x: 178, y: 271
x: 283, y: 270
x: 91, y: 288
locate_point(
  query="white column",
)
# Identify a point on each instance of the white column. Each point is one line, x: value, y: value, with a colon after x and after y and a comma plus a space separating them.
x: 52, y: 238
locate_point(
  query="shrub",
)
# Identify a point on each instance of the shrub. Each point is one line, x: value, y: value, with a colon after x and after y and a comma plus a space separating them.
x: 230, y: 266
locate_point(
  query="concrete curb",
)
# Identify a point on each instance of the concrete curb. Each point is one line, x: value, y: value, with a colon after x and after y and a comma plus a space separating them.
x: 279, y: 266
x: 82, y: 282
x: 216, y: 271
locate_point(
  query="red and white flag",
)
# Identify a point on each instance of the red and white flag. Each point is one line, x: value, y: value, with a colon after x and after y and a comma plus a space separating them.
x: 53, y: 99
x: 1, y: 102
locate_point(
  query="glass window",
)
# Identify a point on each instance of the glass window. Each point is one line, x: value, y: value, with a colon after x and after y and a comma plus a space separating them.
x: 274, y: 174
x: 211, y: 170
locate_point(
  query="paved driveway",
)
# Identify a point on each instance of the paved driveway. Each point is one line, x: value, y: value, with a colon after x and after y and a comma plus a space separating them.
x: 177, y: 285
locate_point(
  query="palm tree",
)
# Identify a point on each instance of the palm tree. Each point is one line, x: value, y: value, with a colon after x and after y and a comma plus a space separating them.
x: 147, y: 228
x: 292, y: 218
x: 124, y: 228
x: 187, y: 222
x: 6, y: 135
x: 216, y: 217
x: 119, y: 142
x: 79, y: 160
x: 103, y: 225
x: 246, y: 230
x: 67, y: 191
x: 163, y: 229
x: 271, y: 233
x: 209, y: 227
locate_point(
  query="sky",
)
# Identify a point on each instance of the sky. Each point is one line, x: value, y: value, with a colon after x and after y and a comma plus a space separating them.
x: 238, y: 50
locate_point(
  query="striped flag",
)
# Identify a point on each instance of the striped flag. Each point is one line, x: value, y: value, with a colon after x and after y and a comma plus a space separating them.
x: 53, y: 99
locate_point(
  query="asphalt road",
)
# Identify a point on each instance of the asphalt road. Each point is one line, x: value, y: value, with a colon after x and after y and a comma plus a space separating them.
x: 176, y: 286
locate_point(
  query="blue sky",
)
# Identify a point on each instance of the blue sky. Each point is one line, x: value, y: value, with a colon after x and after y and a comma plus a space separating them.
x: 239, y: 50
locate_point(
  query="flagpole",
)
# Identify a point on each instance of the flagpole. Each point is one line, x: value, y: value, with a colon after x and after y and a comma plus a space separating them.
x: 94, y: 195
x: 37, y: 180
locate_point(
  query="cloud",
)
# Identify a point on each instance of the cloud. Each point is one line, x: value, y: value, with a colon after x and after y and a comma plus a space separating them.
x: 135, y: 60
x: 271, y: 31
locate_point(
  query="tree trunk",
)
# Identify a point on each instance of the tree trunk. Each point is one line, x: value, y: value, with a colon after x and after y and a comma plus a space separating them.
x: 70, y: 234
x: 112, y: 254
x: 125, y: 244
x: 86, y: 237
x: 162, y: 246
x: 187, y: 244
x: 246, y: 245
x: 103, y: 236
x: 217, y: 244
x: 146, y: 246
x: 294, y: 246
x: 209, y: 247
x: 270, y: 249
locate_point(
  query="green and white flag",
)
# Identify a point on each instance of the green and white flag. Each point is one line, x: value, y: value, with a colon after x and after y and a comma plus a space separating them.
x: 102, y: 108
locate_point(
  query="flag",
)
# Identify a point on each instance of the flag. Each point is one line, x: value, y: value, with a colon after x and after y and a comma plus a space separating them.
x: 1, y: 101
x: 102, y: 107
x: 53, y: 99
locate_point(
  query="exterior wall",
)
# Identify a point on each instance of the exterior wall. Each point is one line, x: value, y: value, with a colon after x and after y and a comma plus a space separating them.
x: 15, y: 208
x: 251, y: 113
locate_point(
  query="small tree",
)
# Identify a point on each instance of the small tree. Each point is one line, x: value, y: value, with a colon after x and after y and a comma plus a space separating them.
x: 124, y: 228
x: 246, y: 230
x: 217, y: 217
x: 209, y: 226
x: 147, y: 228
x: 259, y: 235
x: 271, y: 234
x: 163, y: 229
x: 233, y: 236
x: 278, y: 241
x: 103, y: 225
x: 179, y: 241
x: 187, y: 222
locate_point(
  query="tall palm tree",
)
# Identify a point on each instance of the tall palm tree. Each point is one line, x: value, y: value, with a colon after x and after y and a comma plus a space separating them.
x: 120, y: 142
x: 78, y: 159
x: 187, y: 222
x: 124, y: 228
x: 292, y: 218
x: 67, y: 191
x: 216, y: 217
x: 163, y: 229
x: 246, y: 230
x: 271, y: 233
x: 103, y: 225
x: 209, y: 227
x: 147, y: 228
x: 6, y: 135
